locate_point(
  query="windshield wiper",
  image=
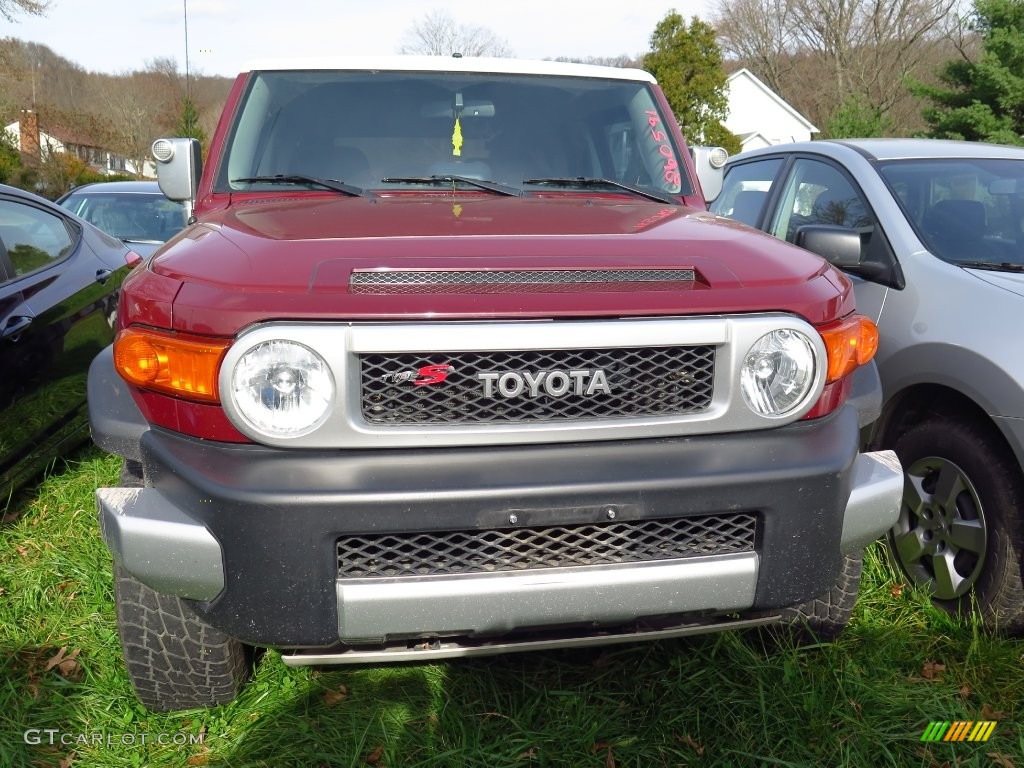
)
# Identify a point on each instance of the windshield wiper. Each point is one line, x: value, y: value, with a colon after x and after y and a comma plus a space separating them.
x: 447, y: 178
x: 994, y: 266
x: 296, y: 178
x: 585, y: 181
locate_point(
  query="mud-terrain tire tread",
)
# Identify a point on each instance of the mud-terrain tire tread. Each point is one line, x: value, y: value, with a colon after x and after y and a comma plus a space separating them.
x: 174, y: 659
x: 824, y: 617
x: 998, y: 594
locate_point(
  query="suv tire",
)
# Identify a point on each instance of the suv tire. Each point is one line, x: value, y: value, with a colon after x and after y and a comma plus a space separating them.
x: 824, y: 617
x: 174, y: 660
x: 961, y: 524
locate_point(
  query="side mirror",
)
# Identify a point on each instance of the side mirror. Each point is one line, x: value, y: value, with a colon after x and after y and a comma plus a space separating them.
x: 840, y: 246
x: 179, y: 164
x: 709, y: 162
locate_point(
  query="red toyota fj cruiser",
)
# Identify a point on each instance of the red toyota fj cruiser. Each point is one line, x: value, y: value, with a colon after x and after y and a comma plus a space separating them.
x: 453, y: 360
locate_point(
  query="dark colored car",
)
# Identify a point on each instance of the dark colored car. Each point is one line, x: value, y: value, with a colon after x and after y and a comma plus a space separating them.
x: 133, y: 211
x: 59, y: 280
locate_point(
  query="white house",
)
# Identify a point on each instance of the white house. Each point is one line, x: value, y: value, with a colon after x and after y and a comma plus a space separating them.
x: 36, y: 142
x: 760, y: 117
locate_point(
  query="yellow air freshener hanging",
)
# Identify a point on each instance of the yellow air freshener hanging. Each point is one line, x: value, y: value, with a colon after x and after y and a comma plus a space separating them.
x: 457, y: 139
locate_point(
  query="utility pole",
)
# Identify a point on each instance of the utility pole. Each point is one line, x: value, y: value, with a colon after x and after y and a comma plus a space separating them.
x: 188, y: 85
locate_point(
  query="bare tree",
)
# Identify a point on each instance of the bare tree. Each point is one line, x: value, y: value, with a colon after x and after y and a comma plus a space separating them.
x: 8, y: 8
x: 438, y: 34
x: 761, y: 34
x: 820, y: 52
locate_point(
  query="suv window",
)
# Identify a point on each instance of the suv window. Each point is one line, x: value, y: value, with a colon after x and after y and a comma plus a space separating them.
x: 32, y: 237
x: 362, y: 127
x: 745, y: 190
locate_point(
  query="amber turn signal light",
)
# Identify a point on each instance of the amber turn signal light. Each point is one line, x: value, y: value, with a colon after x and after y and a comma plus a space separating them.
x: 172, y: 363
x: 850, y: 343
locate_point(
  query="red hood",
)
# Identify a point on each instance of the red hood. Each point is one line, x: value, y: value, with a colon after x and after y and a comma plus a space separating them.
x: 292, y: 258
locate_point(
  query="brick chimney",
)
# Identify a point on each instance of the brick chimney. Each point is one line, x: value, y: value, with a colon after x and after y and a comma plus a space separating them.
x: 29, y: 129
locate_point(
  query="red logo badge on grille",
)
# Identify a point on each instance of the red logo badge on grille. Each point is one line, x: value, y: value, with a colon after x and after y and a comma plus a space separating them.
x: 432, y: 374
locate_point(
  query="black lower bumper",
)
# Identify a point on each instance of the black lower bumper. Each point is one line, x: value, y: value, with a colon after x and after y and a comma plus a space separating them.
x: 277, y: 514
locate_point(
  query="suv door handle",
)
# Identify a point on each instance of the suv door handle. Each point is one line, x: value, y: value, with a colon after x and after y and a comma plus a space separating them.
x: 15, y: 326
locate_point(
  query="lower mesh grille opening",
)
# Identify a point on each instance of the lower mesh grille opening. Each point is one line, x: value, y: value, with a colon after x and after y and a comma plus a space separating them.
x: 432, y: 553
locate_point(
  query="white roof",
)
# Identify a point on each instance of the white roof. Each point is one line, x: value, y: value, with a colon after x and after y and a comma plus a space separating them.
x: 499, y: 66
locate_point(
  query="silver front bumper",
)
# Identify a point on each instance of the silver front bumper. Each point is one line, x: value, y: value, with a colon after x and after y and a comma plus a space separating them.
x: 370, y: 610
x: 170, y: 551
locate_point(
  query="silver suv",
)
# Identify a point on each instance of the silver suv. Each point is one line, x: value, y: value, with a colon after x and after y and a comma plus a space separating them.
x: 932, y: 235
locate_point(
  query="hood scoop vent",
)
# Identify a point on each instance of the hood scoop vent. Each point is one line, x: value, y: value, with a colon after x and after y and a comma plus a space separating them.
x: 387, y: 281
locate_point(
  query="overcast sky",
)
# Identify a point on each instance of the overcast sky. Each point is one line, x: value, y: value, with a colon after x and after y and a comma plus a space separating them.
x: 223, y: 35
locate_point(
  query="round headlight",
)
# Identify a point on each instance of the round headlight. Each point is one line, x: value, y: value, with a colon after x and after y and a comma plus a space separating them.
x: 778, y: 372
x: 283, y: 389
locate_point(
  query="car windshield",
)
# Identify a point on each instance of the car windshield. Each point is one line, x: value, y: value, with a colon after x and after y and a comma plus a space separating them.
x: 130, y: 216
x: 967, y: 211
x: 386, y: 130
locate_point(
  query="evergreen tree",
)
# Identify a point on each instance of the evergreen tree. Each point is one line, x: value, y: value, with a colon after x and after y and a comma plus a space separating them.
x: 188, y: 122
x: 687, y: 63
x: 984, y: 100
x: 857, y: 118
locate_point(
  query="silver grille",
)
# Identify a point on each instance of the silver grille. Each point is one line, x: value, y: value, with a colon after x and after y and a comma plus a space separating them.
x: 643, y: 381
x: 492, y: 281
x: 486, y: 551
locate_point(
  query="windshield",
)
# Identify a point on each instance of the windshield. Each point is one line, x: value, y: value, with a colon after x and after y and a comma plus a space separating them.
x: 363, y: 127
x: 966, y: 211
x: 129, y: 216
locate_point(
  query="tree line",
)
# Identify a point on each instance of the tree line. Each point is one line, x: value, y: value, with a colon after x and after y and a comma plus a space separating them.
x: 122, y: 113
x: 937, y: 68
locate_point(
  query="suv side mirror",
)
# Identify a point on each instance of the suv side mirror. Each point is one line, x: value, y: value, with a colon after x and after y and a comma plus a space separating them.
x: 840, y: 246
x: 709, y: 162
x: 179, y: 164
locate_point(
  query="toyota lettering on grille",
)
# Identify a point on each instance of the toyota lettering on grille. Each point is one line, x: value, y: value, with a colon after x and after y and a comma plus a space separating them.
x: 581, y: 381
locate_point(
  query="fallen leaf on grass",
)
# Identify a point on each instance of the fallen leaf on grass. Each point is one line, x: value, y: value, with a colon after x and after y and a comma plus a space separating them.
x: 932, y: 670
x: 965, y: 690
x: 609, y: 759
x: 374, y: 757
x: 987, y: 713
x: 689, y: 741
x: 527, y: 755
x: 332, y: 696
x: 897, y: 589
x: 21, y: 550
x: 1003, y: 761
x: 597, y: 747
x: 199, y: 760
x: 67, y: 666
x: 65, y: 762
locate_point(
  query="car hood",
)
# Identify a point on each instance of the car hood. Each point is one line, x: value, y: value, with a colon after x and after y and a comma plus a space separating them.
x: 297, y: 255
x: 1010, y: 281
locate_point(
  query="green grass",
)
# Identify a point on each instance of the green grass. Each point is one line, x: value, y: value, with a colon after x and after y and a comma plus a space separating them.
x: 718, y: 700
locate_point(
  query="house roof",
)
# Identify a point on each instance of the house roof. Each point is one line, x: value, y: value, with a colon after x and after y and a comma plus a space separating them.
x: 746, y: 73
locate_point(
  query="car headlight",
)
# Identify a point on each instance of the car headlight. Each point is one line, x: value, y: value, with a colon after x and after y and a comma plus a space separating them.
x: 282, y: 389
x: 778, y: 373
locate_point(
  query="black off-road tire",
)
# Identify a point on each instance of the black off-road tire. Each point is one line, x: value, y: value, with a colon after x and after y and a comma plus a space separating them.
x: 990, y: 500
x: 824, y: 617
x: 174, y: 659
